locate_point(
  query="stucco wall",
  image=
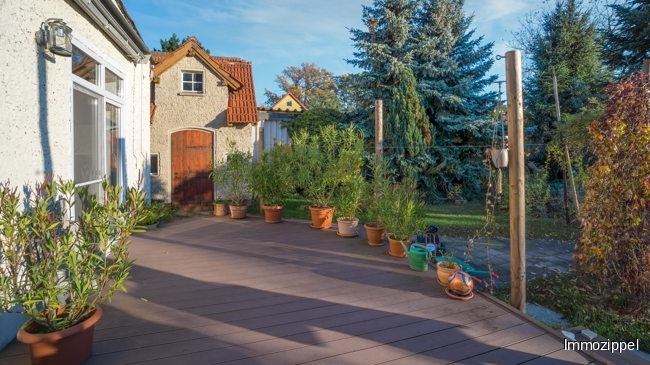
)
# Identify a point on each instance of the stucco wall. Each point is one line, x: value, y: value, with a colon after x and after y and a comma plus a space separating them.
x: 175, y: 111
x: 36, y: 94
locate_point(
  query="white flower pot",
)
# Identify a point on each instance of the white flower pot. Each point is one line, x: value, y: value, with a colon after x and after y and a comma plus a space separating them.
x: 500, y: 157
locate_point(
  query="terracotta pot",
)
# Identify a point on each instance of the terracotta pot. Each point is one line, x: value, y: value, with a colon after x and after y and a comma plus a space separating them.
x: 444, y: 273
x: 238, y: 211
x: 375, y: 234
x: 273, y: 214
x: 220, y: 209
x: 71, y: 346
x: 396, y: 249
x: 321, y: 218
x: 347, y: 226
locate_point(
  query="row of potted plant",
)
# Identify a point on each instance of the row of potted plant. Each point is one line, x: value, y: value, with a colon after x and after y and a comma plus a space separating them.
x: 326, y: 168
x: 55, y: 266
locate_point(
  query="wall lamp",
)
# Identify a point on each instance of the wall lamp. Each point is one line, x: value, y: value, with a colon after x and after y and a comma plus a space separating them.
x: 56, y: 36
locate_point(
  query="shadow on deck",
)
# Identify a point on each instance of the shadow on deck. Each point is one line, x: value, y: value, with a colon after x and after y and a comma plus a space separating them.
x: 215, y: 290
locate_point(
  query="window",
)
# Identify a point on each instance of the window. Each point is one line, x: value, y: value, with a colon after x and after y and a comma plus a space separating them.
x: 193, y: 82
x: 96, y: 122
x: 154, y: 164
x: 289, y: 103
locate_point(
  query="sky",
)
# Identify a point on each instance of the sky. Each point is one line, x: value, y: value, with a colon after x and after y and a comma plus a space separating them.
x: 275, y: 35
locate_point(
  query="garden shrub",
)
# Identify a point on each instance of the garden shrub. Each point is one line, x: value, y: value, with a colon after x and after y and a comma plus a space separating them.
x: 538, y: 193
x: 615, y: 241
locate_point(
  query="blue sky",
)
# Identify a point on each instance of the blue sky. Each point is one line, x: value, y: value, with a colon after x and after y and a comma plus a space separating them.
x: 274, y: 35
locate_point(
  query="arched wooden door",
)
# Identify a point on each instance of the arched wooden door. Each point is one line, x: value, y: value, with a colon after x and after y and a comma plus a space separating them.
x: 192, y: 188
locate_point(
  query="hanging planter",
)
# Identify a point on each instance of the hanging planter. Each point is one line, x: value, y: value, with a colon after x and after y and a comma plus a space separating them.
x: 500, y: 157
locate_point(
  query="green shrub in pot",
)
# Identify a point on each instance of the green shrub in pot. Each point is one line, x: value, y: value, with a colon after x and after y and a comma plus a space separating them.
x: 59, y: 268
x: 272, y: 181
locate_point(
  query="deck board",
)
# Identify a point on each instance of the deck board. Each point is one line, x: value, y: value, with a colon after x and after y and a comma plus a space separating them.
x: 219, y: 291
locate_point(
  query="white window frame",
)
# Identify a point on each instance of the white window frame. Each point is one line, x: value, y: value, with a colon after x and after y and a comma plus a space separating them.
x: 194, y: 72
x: 105, y: 97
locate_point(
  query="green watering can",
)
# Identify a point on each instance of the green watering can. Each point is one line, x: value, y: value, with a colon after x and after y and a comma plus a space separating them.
x: 419, y: 256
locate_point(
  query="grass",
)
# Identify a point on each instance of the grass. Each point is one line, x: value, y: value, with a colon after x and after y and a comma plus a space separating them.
x: 459, y: 220
x: 579, y: 300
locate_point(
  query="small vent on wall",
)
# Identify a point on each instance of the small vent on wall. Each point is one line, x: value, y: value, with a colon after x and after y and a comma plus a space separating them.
x: 153, y: 163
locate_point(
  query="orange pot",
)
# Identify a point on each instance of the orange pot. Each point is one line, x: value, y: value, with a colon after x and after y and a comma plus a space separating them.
x: 238, y: 211
x: 321, y: 218
x: 71, y: 346
x: 375, y: 234
x: 444, y: 273
x: 220, y: 209
x: 396, y: 249
x: 273, y: 214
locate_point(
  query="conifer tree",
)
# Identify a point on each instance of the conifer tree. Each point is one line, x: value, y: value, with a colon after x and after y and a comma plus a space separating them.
x: 407, y: 132
x: 452, y: 69
x: 628, y: 43
x: 568, y: 45
x: 432, y: 37
x: 384, y: 51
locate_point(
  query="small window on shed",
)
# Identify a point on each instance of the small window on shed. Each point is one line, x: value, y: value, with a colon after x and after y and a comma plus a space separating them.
x: 289, y: 103
x: 154, y: 167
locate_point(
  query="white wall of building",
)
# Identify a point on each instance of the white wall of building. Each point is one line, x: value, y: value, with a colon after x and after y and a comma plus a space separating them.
x: 36, y: 94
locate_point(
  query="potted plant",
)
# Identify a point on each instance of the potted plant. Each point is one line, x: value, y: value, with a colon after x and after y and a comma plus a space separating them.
x: 218, y: 176
x: 12, y: 278
x: 271, y: 180
x: 66, y: 274
x: 234, y: 175
x: 446, y: 267
x: 149, y: 217
x: 373, y: 191
x: 402, y: 210
x: 321, y: 163
x: 348, y: 201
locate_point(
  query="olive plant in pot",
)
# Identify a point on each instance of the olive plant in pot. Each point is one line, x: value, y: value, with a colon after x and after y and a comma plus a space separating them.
x: 348, y: 201
x: 271, y: 180
x: 373, y: 191
x: 321, y: 163
x: 218, y: 176
x: 12, y: 277
x: 66, y: 272
x: 233, y: 175
x: 402, y: 210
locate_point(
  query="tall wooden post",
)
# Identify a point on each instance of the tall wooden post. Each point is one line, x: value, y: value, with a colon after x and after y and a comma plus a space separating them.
x: 379, y: 129
x: 517, y: 187
x: 646, y: 66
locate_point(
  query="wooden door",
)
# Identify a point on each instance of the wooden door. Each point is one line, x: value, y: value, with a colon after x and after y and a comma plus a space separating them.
x: 192, y: 188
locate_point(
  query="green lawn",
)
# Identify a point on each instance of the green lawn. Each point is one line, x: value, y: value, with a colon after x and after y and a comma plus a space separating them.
x: 459, y: 220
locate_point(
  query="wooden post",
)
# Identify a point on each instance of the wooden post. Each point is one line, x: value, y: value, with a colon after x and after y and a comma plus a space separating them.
x: 646, y: 66
x: 570, y: 173
x: 379, y: 129
x: 517, y: 187
x: 558, y: 116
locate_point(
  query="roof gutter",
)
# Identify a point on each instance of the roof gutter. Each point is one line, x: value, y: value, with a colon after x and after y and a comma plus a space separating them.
x: 107, y: 15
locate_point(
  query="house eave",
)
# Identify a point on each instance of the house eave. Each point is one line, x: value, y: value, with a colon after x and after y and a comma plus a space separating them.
x: 109, y: 18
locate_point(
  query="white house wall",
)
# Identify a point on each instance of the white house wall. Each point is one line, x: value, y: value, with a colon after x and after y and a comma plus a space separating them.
x: 175, y: 112
x: 36, y: 95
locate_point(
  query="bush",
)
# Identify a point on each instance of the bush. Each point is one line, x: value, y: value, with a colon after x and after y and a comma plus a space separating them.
x: 538, y: 193
x: 615, y: 241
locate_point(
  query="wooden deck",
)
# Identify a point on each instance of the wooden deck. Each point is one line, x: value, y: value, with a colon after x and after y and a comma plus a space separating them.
x: 215, y: 290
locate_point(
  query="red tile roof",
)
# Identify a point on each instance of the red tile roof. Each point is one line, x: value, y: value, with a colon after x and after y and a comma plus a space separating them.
x: 242, y: 107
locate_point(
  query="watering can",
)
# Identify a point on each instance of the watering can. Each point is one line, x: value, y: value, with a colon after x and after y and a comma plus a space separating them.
x: 419, y: 256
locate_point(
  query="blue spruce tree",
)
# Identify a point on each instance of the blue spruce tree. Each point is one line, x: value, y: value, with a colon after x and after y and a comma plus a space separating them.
x: 432, y: 38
